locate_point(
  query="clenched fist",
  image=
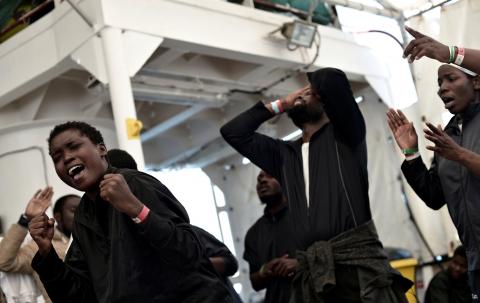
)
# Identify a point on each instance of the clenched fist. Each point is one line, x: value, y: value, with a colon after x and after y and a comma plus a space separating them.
x: 41, y: 229
x: 114, y: 189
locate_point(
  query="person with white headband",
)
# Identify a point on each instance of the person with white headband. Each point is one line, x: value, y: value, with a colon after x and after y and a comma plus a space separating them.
x: 454, y: 175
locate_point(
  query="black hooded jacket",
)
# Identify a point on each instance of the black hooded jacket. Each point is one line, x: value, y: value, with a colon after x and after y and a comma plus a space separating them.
x: 449, y: 182
x: 114, y: 260
x: 337, y: 161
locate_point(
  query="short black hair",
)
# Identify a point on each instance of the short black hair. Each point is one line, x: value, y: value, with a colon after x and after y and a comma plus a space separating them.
x: 60, y: 203
x: 121, y: 159
x: 84, y: 128
x: 460, y: 251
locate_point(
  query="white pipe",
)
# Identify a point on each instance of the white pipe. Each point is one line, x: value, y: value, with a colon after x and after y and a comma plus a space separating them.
x: 120, y: 89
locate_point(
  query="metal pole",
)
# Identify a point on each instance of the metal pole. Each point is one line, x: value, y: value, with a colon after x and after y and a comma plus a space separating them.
x: 121, y: 95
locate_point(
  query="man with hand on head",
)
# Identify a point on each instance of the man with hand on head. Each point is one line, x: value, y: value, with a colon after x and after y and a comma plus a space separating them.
x: 270, y: 244
x: 15, y: 257
x: 324, y: 176
x: 132, y: 241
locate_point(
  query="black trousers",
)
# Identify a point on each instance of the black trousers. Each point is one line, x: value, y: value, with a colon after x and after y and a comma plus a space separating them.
x: 474, y: 282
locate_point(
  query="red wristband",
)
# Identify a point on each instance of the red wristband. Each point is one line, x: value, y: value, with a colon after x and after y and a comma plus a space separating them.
x: 142, y: 215
x: 280, y: 105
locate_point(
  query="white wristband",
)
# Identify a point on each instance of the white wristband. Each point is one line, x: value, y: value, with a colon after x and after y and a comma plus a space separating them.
x: 275, y: 108
x: 460, y: 56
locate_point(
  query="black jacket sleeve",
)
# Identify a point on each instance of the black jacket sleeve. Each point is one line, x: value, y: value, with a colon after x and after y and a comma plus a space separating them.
x: 250, y: 253
x: 166, y: 227
x: 65, y: 282
x: 347, y: 120
x: 262, y: 150
x: 215, y: 248
x: 425, y: 182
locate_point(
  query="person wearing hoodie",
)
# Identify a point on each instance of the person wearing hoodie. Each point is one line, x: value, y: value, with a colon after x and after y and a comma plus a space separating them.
x: 324, y: 176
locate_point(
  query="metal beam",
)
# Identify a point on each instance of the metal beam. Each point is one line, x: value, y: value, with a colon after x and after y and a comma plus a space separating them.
x: 171, y: 122
x: 165, y: 58
x: 178, y: 96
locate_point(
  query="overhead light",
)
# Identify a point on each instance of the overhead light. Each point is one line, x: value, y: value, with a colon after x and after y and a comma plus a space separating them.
x: 293, y: 135
x: 299, y: 33
x: 359, y: 99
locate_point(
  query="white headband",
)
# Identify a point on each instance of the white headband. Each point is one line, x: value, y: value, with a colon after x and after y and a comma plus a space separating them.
x: 466, y: 71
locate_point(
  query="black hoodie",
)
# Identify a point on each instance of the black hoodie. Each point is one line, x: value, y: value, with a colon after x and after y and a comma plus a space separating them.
x: 114, y: 260
x: 337, y: 161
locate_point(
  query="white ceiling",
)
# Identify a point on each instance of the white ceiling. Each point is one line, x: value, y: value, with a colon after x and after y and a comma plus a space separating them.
x: 407, y: 6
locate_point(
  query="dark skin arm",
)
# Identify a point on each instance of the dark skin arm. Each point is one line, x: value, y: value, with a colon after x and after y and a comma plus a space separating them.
x: 424, y: 46
x: 219, y: 264
x: 447, y: 148
x: 283, y: 267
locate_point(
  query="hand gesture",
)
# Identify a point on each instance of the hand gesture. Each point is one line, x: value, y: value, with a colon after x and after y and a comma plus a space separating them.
x: 285, y: 267
x: 41, y: 229
x: 444, y: 144
x: 114, y: 189
x: 39, y: 202
x: 289, y: 100
x: 425, y: 46
x: 402, y: 129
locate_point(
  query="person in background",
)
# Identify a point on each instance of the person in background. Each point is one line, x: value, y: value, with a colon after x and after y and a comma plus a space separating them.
x: 220, y: 256
x: 15, y: 257
x: 451, y: 285
x: 270, y: 244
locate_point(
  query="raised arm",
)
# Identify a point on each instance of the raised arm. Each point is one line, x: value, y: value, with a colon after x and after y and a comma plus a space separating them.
x: 333, y: 89
x: 423, y: 45
x: 166, y: 226
x: 425, y: 182
x: 65, y: 282
x: 262, y: 150
x: 15, y: 257
x: 447, y: 148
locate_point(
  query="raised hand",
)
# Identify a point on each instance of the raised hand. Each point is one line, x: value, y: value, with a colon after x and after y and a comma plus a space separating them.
x: 402, y: 129
x: 40, y: 201
x: 41, y: 229
x: 423, y: 45
x: 289, y: 100
x: 445, y: 146
x: 114, y: 189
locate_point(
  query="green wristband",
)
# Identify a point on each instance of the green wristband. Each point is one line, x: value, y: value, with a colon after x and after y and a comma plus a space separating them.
x: 409, y: 151
x: 262, y: 269
x: 452, y: 54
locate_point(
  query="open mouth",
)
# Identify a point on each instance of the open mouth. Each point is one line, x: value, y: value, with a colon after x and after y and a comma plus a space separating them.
x: 75, y: 171
x: 449, y: 102
x: 298, y: 101
x: 263, y: 190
